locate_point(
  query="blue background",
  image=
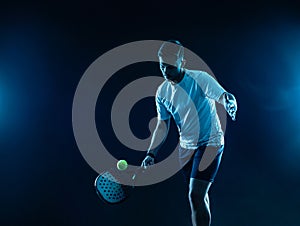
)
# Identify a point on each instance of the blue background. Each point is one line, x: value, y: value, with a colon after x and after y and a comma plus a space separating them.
x: 252, y: 47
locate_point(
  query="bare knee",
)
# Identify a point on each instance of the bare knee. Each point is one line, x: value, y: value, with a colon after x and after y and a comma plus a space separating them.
x: 196, y: 198
x: 198, y: 192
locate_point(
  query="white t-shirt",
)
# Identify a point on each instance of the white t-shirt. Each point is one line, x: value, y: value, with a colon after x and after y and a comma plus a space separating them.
x: 191, y: 103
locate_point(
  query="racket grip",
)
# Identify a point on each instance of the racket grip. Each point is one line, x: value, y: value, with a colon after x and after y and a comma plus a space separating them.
x: 133, y: 177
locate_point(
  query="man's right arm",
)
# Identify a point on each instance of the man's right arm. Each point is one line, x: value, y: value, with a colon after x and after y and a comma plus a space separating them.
x: 159, y: 136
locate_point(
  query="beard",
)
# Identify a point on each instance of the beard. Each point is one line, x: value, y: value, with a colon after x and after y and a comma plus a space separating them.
x: 174, y: 76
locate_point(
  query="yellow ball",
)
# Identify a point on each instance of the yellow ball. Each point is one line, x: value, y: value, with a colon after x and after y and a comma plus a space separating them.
x: 122, y: 165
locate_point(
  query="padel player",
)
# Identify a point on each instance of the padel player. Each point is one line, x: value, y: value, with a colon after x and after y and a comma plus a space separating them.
x: 189, y: 97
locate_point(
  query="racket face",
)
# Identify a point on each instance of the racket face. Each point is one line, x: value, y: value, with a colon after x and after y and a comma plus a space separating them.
x: 109, y: 189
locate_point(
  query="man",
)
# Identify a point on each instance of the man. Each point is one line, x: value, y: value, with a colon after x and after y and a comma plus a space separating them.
x: 189, y: 97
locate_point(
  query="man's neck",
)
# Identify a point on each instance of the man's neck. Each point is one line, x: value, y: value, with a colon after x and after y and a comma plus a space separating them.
x: 180, y: 77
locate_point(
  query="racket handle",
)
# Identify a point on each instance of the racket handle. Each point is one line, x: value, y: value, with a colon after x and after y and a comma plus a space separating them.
x: 133, y: 177
x: 135, y: 174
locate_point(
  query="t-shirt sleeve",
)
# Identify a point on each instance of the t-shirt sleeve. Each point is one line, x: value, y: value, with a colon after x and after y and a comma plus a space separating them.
x: 162, y: 112
x: 211, y: 87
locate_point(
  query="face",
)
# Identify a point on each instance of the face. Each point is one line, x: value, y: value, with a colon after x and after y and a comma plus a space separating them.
x: 170, y: 68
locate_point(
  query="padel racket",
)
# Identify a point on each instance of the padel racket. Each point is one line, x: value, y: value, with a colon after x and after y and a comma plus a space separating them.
x: 109, y: 188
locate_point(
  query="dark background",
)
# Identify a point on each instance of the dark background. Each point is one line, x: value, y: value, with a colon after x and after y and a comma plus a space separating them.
x: 252, y: 47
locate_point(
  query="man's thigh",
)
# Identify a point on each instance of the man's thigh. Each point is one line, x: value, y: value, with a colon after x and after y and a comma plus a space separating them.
x: 191, y: 169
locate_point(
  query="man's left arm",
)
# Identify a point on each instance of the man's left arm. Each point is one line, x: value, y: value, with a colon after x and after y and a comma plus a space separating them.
x: 215, y: 91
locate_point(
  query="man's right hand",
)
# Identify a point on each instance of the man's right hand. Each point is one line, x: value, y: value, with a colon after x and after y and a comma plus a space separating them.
x: 148, y: 161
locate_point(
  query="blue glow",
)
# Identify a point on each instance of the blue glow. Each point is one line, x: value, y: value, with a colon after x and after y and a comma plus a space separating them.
x: 22, y: 84
x: 273, y: 85
x: 13, y: 108
x: 3, y: 93
x: 287, y: 94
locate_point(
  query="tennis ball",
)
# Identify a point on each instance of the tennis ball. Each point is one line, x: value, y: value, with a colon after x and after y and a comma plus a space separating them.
x: 122, y: 165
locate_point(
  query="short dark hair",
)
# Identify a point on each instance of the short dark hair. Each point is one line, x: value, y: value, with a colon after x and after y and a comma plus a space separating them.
x: 168, y: 48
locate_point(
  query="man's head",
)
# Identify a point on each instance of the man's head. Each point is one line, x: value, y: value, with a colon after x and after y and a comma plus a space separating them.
x: 171, y: 60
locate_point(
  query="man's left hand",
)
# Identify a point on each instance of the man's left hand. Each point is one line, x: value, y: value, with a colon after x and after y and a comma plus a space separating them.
x: 231, y: 105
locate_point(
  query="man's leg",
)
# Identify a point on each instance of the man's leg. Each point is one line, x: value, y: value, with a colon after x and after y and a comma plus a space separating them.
x: 199, y: 202
x: 199, y: 184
